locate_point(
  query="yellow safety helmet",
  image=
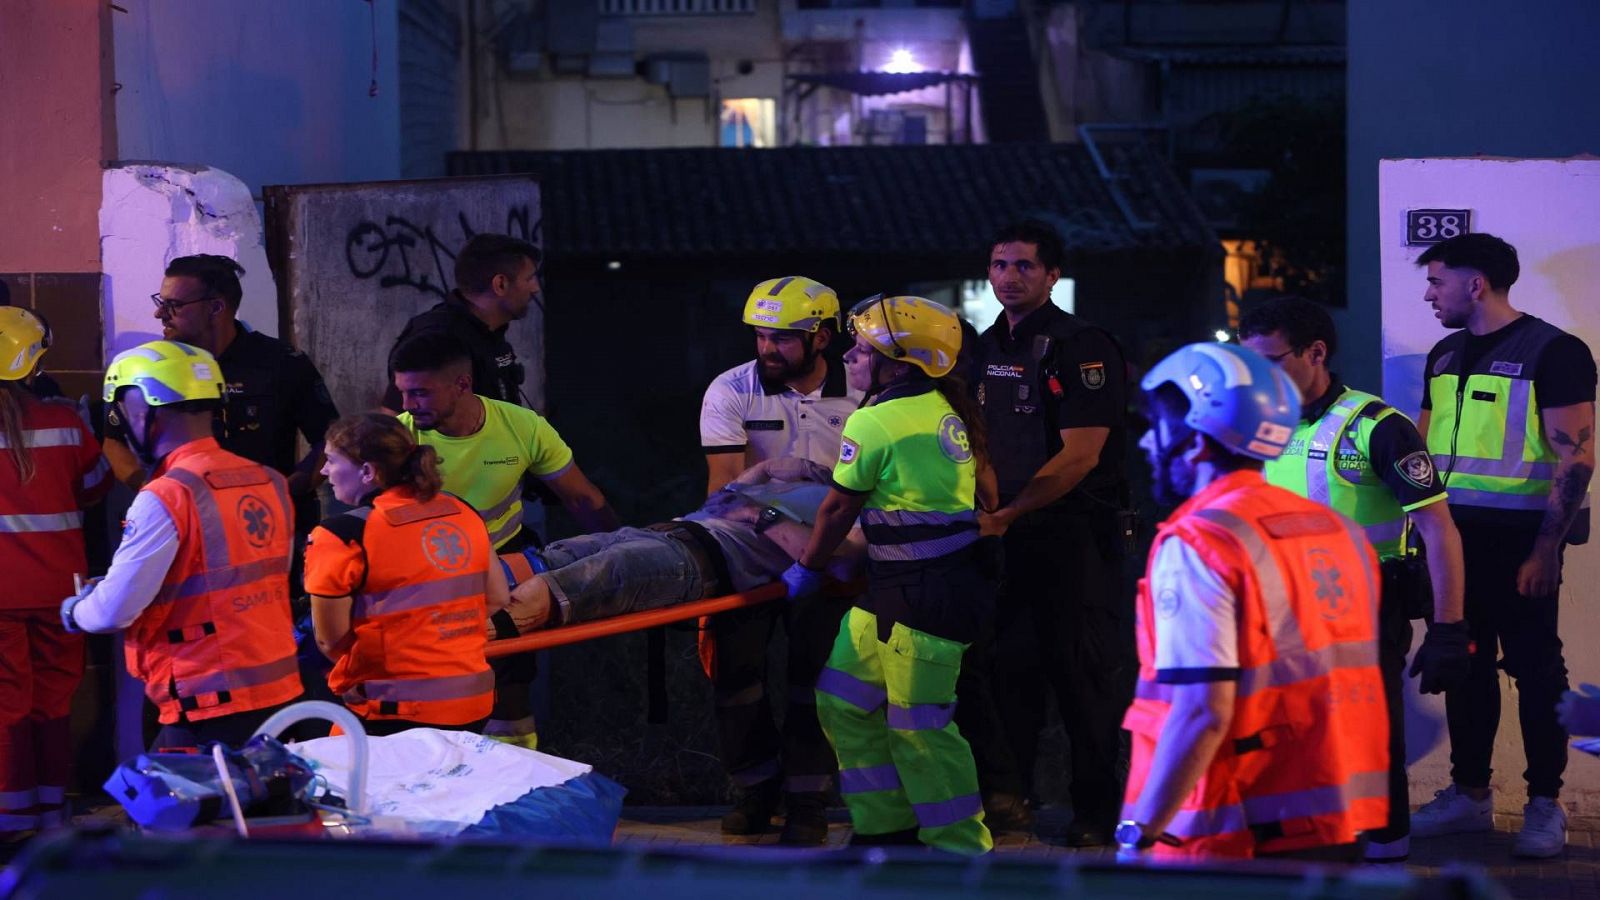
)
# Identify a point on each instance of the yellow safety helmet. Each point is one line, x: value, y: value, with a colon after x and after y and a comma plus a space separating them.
x: 794, y: 303
x: 23, y: 339
x: 167, y: 372
x: 911, y: 330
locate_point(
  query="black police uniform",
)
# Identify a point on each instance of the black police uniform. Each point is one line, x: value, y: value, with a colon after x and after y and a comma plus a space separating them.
x: 1064, y: 619
x: 496, y: 373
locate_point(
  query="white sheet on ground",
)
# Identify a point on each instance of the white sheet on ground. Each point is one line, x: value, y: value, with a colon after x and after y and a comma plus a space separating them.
x: 438, y: 782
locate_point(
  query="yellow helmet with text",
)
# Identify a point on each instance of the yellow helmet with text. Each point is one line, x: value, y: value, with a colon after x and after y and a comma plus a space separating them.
x: 167, y: 372
x: 23, y: 339
x: 792, y: 303
x: 911, y: 330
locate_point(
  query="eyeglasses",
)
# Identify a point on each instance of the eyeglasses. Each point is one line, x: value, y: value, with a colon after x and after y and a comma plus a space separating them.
x: 171, y: 306
x: 1278, y: 358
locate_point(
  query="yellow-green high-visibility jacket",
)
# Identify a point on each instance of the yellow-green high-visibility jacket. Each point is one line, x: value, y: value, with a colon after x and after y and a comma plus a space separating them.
x: 1484, y: 429
x: 1329, y: 461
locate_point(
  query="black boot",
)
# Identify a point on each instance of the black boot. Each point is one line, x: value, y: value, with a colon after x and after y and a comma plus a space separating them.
x: 1004, y: 812
x: 753, y: 813
x: 906, y: 838
x: 805, y: 821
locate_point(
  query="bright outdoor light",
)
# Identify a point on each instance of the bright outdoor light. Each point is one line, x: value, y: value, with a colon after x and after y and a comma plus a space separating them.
x: 1222, y: 335
x: 902, y: 61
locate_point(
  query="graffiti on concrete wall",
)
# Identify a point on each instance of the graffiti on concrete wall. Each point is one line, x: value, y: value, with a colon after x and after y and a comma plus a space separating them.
x: 400, y: 252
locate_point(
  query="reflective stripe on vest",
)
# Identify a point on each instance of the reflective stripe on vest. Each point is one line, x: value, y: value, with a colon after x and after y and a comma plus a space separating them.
x: 901, y: 535
x: 449, y: 687
x: 1294, y: 663
x: 1318, y: 801
x: 46, y: 437
x: 1370, y: 504
x: 24, y: 523
x: 415, y: 596
x: 235, y: 679
x: 220, y: 573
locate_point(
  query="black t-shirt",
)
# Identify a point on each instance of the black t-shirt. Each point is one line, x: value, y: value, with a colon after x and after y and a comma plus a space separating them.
x: 496, y: 373
x: 273, y: 392
x: 1565, y: 374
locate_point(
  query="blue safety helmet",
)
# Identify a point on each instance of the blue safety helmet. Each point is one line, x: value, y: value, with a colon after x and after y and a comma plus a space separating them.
x: 1235, y: 395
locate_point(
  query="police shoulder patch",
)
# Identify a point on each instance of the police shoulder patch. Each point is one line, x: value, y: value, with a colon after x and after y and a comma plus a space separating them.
x: 848, y: 450
x: 1093, y: 375
x: 1417, y: 468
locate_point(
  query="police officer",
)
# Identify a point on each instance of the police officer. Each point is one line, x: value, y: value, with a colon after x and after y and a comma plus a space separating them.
x: 1355, y: 453
x: 497, y: 283
x: 273, y: 390
x: 1054, y: 400
x: 788, y: 402
x: 1508, y: 412
x: 1258, y: 726
x: 200, y: 580
x: 907, y: 466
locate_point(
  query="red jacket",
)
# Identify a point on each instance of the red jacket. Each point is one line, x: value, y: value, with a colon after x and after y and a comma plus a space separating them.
x: 41, y: 522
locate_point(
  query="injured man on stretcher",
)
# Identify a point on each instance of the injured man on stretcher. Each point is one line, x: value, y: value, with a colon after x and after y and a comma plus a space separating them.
x: 743, y: 537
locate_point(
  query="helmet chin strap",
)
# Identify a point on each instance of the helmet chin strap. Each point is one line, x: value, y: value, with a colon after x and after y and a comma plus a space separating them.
x: 144, y: 445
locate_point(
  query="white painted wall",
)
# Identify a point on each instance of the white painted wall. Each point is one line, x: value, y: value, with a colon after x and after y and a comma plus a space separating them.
x: 151, y: 214
x: 1550, y: 211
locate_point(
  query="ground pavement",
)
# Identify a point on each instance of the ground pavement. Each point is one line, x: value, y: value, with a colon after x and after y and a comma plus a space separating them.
x: 1574, y: 876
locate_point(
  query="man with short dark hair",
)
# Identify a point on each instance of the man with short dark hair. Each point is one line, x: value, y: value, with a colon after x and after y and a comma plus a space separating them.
x: 1054, y: 398
x: 1508, y: 411
x: 485, y: 448
x: 497, y: 283
x: 273, y: 390
x: 1365, y: 459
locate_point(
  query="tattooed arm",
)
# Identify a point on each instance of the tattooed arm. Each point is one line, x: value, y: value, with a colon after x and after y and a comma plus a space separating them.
x: 1570, y: 431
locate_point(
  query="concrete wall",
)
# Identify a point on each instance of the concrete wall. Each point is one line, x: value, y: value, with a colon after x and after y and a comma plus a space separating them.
x: 1550, y: 211
x: 275, y: 93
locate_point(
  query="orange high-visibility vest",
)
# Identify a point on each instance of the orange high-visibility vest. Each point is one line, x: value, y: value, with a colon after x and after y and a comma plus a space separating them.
x: 1305, y: 760
x: 218, y: 638
x: 418, y: 622
x: 41, y: 520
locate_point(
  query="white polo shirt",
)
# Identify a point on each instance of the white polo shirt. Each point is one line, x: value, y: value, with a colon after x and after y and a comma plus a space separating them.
x: 741, y: 413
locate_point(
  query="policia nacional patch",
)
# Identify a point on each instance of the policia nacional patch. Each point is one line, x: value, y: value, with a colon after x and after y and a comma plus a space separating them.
x: 1416, y: 468
x: 1093, y: 375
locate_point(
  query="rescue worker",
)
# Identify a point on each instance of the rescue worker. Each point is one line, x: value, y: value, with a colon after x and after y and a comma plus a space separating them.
x: 1508, y: 412
x: 50, y: 471
x: 789, y: 402
x: 1258, y: 720
x: 1365, y: 459
x: 908, y: 464
x: 1054, y: 398
x: 404, y: 629
x: 200, y: 580
x: 485, y: 448
x: 497, y: 283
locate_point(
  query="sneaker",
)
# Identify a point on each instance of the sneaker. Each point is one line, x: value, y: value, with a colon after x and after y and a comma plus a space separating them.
x: 1389, y: 851
x: 1544, y: 829
x: 1452, y: 812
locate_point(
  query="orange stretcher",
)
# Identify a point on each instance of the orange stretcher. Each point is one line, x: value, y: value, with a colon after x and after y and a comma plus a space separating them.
x: 638, y: 621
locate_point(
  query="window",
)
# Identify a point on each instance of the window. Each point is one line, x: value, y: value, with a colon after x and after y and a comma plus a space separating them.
x: 748, y: 122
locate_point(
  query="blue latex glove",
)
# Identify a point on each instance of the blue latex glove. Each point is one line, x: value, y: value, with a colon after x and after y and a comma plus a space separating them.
x: 67, y: 622
x: 1580, y: 712
x: 801, y: 581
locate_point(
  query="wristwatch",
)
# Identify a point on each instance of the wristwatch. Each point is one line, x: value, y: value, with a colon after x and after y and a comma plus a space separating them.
x: 769, y: 517
x: 1131, y: 835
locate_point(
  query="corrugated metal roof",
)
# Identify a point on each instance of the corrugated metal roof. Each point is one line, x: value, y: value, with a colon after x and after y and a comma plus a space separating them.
x: 912, y: 201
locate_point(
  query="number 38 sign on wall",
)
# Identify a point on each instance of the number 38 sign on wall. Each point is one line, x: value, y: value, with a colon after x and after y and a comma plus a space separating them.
x: 1430, y: 226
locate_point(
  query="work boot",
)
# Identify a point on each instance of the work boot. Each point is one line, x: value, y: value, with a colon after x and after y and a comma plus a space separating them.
x: 753, y: 813
x: 805, y: 822
x: 1088, y: 833
x: 1006, y: 812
